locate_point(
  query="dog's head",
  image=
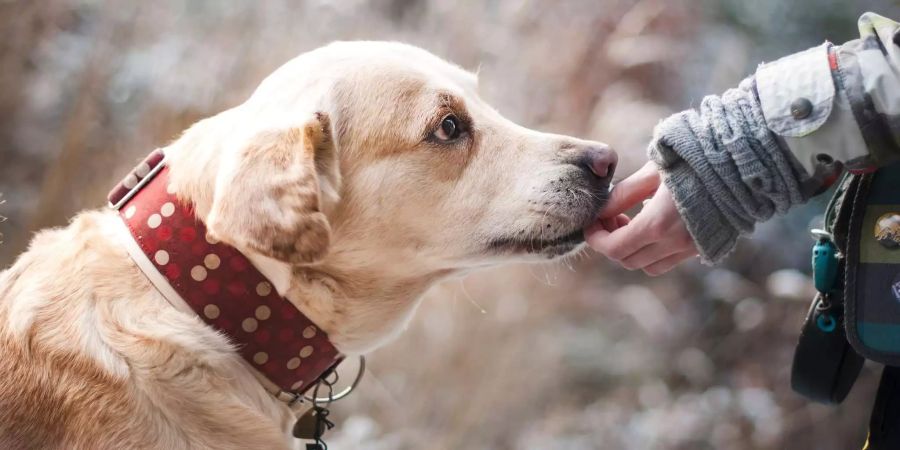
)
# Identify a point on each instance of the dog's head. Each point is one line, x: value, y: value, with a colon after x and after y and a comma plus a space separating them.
x: 379, y: 160
x: 384, y: 150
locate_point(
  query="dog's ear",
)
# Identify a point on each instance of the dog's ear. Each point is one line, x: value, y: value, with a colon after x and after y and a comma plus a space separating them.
x: 268, y: 196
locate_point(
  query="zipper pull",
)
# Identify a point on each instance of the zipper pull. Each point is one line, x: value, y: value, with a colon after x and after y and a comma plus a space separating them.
x: 824, y: 261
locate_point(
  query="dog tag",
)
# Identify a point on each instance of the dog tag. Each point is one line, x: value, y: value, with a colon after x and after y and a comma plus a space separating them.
x: 312, y: 425
x: 307, y: 426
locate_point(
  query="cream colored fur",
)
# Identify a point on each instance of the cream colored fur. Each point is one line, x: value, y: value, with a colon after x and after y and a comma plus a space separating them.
x: 329, y: 179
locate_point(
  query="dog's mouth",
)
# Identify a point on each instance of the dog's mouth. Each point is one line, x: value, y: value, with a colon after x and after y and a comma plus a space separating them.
x: 558, y: 229
x: 550, y: 247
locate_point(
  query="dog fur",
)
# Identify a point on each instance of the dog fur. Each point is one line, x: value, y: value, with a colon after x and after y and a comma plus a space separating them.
x: 330, y: 178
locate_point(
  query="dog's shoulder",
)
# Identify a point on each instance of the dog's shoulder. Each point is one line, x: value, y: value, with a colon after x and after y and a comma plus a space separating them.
x: 92, y: 357
x: 47, y: 381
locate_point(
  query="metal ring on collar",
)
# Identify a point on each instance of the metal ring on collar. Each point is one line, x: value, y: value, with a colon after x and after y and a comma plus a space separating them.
x: 346, y: 391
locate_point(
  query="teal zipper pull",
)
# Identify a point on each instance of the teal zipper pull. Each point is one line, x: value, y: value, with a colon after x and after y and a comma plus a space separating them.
x: 824, y: 261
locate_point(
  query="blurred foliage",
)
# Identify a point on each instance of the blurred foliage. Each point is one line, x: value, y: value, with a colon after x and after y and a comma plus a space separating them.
x: 778, y: 26
x: 579, y: 355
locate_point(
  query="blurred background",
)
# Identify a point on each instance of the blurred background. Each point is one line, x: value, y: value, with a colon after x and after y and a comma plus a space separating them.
x: 577, y: 355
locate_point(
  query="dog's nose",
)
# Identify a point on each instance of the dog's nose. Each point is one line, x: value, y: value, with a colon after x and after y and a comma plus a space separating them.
x: 600, y: 159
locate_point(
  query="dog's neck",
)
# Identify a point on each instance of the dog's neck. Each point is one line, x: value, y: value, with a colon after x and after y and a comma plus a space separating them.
x: 361, y: 307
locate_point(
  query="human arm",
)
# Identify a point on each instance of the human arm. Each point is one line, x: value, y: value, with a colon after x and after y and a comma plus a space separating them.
x: 758, y: 150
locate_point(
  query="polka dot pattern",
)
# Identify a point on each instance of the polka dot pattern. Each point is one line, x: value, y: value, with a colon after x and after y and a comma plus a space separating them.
x: 225, y: 290
x: 260, y: 358
x: 142, y: 169
x: 161, y: 257
x: 130, y: 181
x: 154, y: 221
x: 212, y: 261
x: 211, y: 311
x: 263, y: 289
x: 198, y: 273
x: 250, y: 324
x: 167, y: 209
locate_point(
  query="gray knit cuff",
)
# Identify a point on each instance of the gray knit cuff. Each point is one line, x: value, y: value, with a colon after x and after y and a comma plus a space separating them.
x: 725, y: 169
x: 714, y: 236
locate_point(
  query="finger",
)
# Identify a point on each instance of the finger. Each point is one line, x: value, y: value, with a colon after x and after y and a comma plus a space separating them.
x: 594, y: 236
x: 631, y: 190
x: 669, y: 263
x: 610, y: 224
x: 649, y: 255
x: 618, y: 244
x: 641, y: 231
x: 605, y: 226
x: 614, y: 223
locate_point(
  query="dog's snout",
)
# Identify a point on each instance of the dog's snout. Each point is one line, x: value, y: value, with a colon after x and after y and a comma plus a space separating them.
x: 600, y: 159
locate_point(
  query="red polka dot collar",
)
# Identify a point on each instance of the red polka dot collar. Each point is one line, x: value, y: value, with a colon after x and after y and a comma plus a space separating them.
x: 218, y: 283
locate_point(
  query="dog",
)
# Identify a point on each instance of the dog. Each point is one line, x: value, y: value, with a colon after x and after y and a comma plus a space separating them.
x: 354, y: 177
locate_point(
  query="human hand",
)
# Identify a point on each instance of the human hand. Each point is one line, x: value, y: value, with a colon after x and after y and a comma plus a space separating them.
x: 655, y: 240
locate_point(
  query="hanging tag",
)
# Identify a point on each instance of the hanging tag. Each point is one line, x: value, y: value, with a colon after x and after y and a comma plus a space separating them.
x: 312, y: 425
x: 308, y: 426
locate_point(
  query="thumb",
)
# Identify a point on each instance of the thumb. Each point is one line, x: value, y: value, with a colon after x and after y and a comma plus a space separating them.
x: 632, y: 190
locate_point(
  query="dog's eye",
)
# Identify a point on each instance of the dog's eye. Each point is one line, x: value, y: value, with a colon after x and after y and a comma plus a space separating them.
x: 449, y: 129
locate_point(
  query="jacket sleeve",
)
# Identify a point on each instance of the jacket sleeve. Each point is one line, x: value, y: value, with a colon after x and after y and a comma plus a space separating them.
x: 840, y: 103
x: 783, y: 135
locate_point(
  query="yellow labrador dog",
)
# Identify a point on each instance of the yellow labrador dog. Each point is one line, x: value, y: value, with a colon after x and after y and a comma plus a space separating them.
x: 355, y: 177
